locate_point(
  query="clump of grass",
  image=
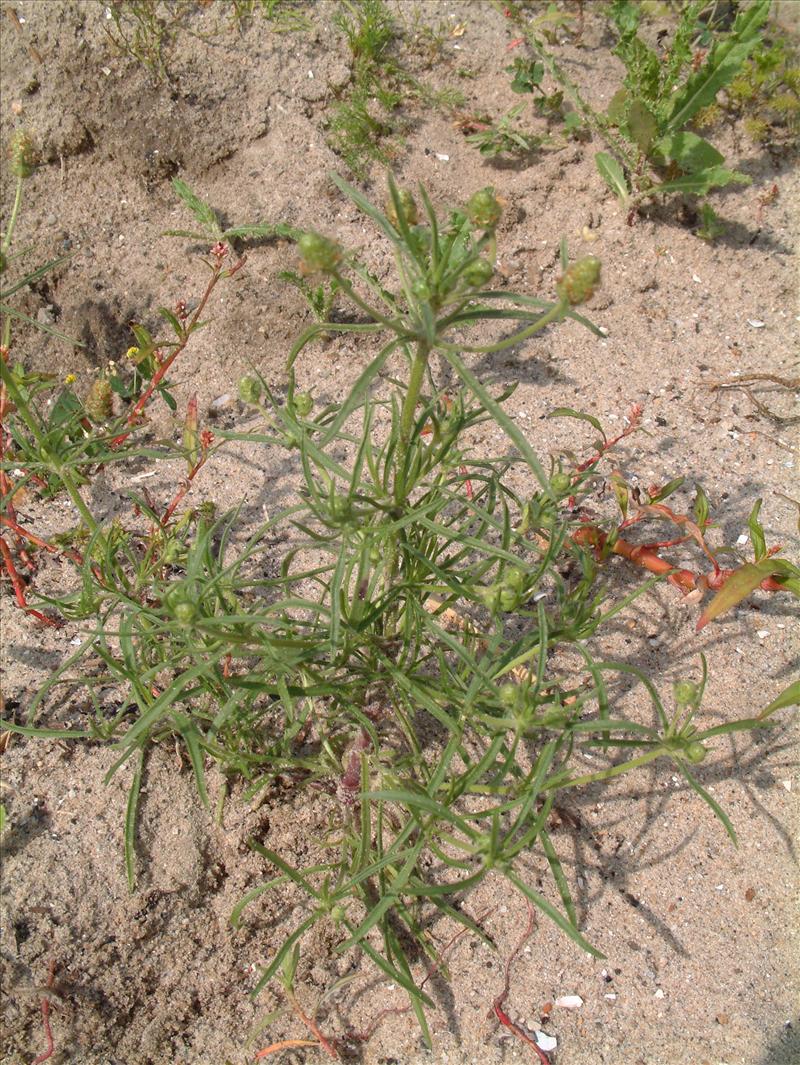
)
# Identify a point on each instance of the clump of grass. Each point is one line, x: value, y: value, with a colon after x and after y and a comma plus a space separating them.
x: 145, y: 31
x: 367, y: 122
x: 421, y: 655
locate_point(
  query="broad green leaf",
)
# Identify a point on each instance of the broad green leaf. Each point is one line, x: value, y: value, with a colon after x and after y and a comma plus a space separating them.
x: 692, y: 153
x: 613, y: 175
x: 699, y: 184
x: 641, y: 125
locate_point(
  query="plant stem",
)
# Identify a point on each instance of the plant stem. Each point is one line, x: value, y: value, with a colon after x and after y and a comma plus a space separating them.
x: 14, y: 212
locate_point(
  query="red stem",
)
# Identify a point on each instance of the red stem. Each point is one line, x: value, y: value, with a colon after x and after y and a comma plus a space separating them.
x: 47, y: 1054
x: 160, y: 373
x: 18, y: 586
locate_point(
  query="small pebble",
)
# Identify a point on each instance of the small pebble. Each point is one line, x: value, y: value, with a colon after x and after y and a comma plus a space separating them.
x: 722, y: 1018
x: 659, y: 993
x: 756, y: 323
x: 569, y: 1002
x: 762, y: 634
x: 750, y: 894
x: 545, y: 1042
x: 442, y: 158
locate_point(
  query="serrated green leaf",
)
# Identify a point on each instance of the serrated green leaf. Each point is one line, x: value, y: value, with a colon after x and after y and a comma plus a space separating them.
x: 722, y: 64
x: 204, y: 214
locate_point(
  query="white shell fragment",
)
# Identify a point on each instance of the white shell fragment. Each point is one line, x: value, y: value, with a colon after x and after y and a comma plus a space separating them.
x: 569, y: 1002
x: 442, y: 158
x: 544, y: 1041
x: 756, y: 323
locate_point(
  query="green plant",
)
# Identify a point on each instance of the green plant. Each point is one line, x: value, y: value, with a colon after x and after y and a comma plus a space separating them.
x: 528, y: 78
x: 320, y: 298
x: 284, y: 16
x: 652, y: 149
x: 503, y: 137
x: 764, y: 96
x: 421, y: 653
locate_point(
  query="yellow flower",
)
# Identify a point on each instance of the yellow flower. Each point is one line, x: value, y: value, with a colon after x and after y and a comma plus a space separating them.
x: 132, y: 353
x: 70, y: 379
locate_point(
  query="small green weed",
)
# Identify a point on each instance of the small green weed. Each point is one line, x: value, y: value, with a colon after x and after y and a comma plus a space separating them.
x: 504, y: 137
x: 284, y: 16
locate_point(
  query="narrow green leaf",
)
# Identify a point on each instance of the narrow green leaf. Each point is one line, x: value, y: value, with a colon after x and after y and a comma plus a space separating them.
x: 568, y: 412
x: 500, y: 416
x: 788, y: 697
x: 613, y: 175
x: 130, y: 824
x: 712, y: 802
x: 757, y: 538
x: 555, y: 915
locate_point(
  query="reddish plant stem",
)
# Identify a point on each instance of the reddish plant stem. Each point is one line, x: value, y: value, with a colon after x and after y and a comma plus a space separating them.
x: 184, y: 488
x: 497, y: 1005
x: 48, y: 1053
x: 313, y: 1027
x: 163, y: 368
x: 634, y: 418
x: 32, y: 537
x: 644, y: 555
x: 19, y: 587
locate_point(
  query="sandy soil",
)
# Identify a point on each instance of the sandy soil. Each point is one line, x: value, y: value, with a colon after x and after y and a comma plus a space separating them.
x: 701, y: 939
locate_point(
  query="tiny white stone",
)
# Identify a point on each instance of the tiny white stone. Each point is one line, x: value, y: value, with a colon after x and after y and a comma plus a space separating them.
x: 762, y: 634
x: 696, y: 279
x: 545, y: 1042
x: 442, y: 158
x: 787, y: 784
x: 742, y: 539
x: 756, y: 323
x: 659, y: 993
x: 611, y: 997
x: 569, y: 1002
